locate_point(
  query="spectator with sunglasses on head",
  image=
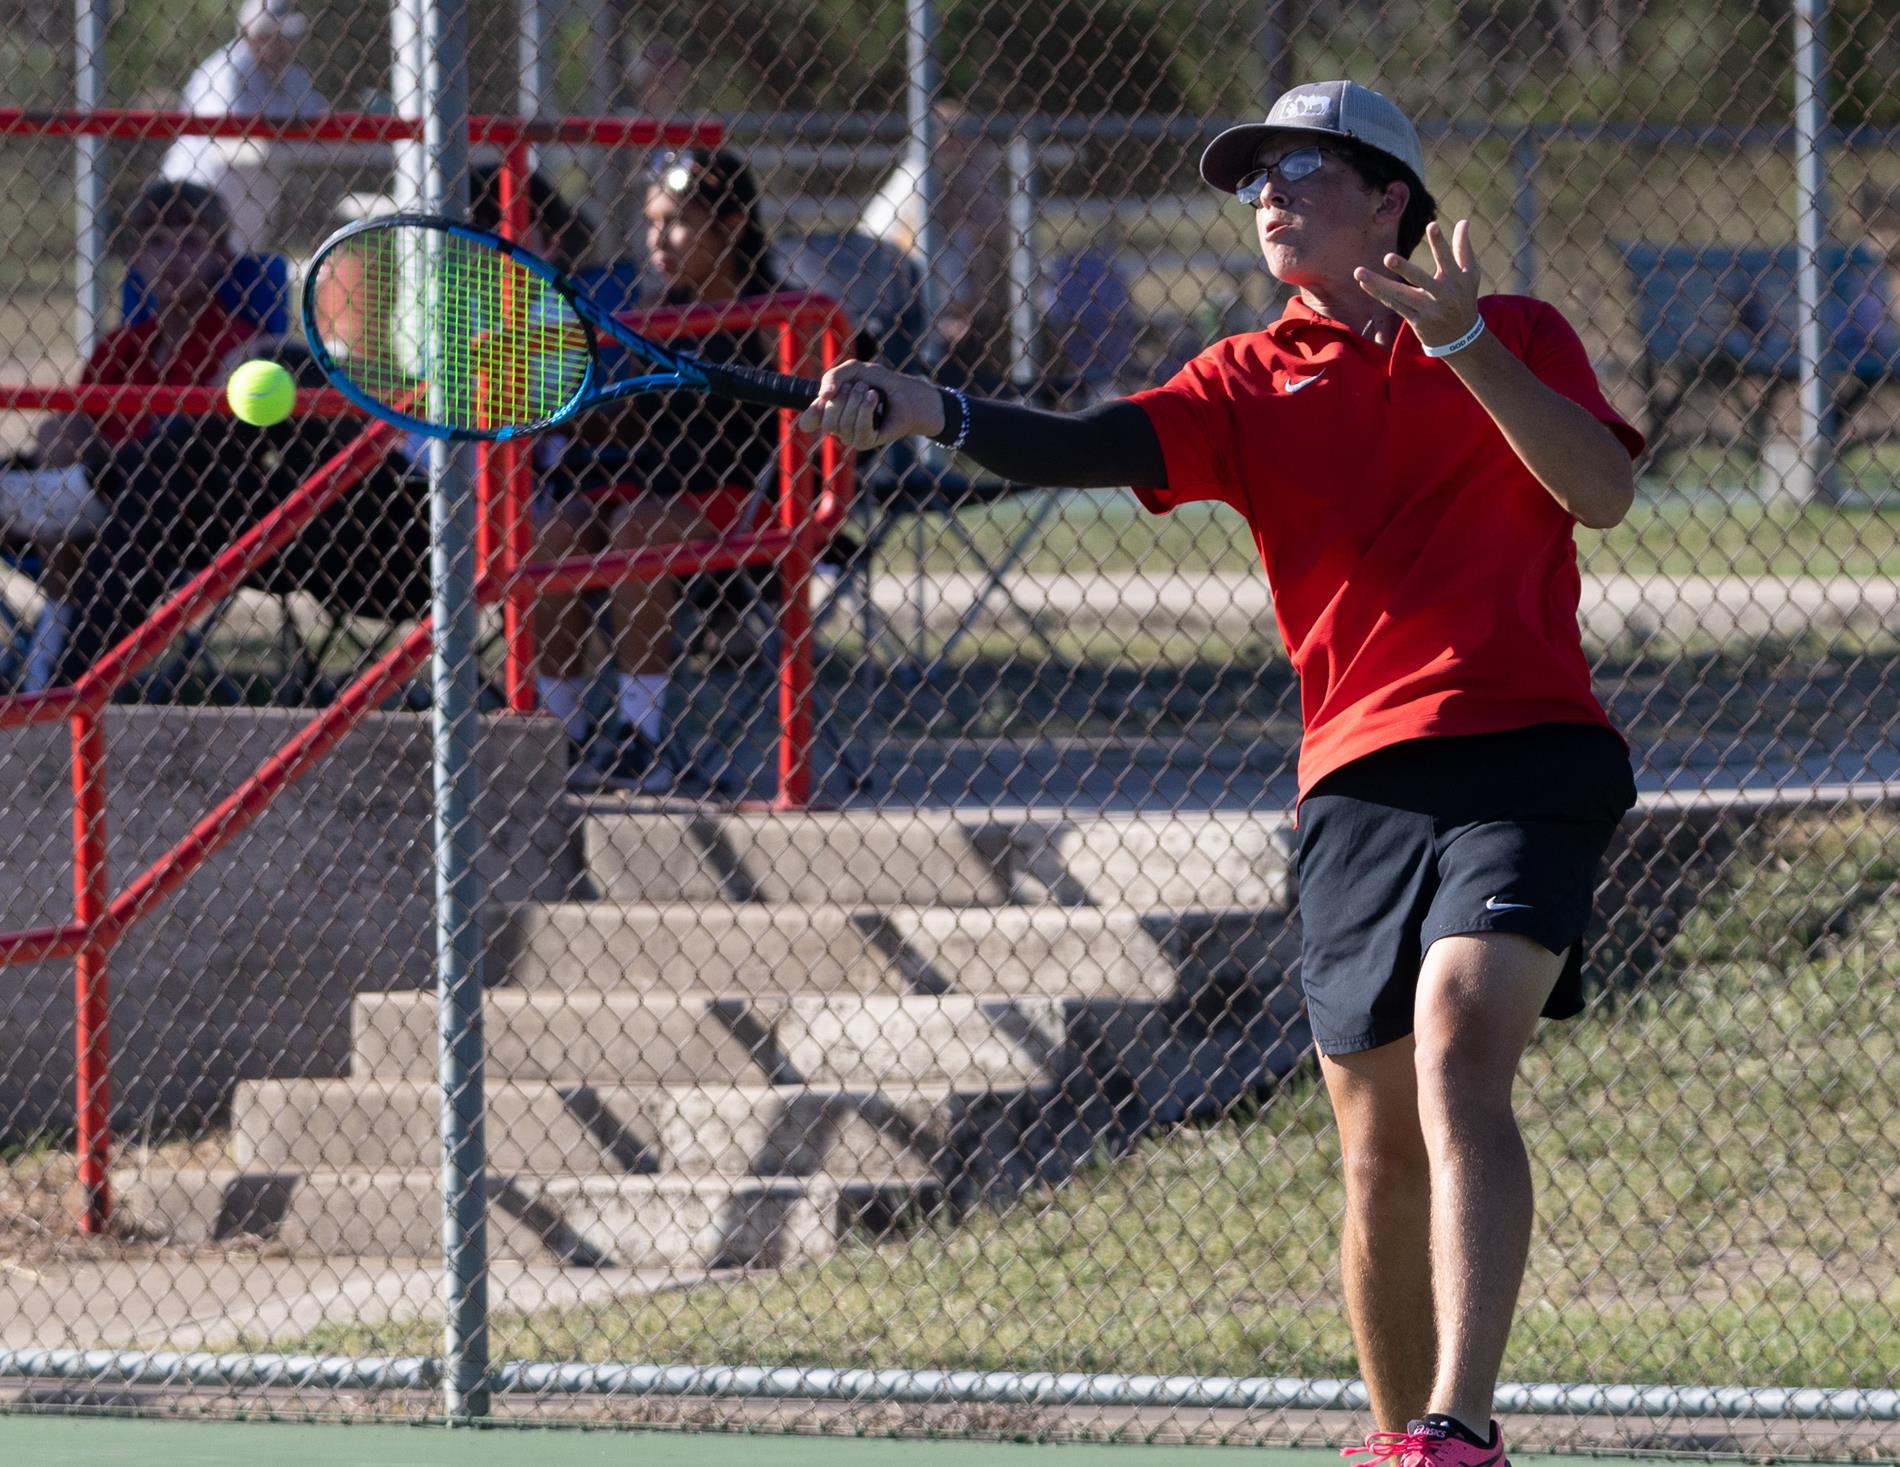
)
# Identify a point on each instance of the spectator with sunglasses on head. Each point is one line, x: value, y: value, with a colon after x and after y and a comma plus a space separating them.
x: 657, y: 470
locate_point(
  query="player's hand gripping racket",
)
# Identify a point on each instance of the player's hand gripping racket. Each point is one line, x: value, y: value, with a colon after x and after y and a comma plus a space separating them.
x: 456, y: 332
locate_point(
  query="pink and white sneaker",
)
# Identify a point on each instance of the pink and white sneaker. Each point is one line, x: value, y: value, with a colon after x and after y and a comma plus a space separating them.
x: 1436, y: 1441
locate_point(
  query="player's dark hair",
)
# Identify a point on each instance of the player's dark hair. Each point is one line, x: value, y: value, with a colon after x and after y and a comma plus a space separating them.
x: 722, y: 183
x: 174, y: 204
x: 1376, y: 170
x: 568, y: 230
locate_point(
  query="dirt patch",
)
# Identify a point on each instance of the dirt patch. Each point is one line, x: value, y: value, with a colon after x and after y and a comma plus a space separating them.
x: 39, y: 1207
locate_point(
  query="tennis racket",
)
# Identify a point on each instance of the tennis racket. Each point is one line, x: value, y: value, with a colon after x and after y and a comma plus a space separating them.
x: 456, y: 332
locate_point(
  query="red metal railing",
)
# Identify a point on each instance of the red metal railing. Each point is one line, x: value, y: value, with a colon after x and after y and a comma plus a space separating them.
x: 99, y: 921
x: 149, y: 125
x: 812, y: 333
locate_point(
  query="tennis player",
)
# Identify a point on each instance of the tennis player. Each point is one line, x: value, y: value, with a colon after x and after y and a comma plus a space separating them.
x: 1412, y: 459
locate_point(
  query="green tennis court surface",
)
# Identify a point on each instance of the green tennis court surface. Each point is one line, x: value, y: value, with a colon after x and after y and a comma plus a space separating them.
x: 57, y: 1442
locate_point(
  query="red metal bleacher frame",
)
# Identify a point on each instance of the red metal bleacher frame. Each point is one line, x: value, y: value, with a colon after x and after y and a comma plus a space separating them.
x: 814, y: 497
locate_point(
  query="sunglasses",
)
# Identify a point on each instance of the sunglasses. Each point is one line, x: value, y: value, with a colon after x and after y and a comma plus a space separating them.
x: 1301, y: 163
x: 677, y: 173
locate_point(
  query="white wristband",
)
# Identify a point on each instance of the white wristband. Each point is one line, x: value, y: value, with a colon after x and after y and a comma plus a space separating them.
x: 954, y: 441
x: 1459, y: 345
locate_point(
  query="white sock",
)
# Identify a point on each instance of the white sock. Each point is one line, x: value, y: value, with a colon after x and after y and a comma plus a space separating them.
x: 49, y: 641
x: 641, y: 697
x: 565, y: 698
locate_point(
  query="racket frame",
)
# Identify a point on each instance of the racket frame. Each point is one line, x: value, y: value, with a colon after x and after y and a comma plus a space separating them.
x: 675, y: 369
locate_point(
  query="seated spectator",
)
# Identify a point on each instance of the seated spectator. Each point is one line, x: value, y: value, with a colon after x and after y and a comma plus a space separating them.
x: 176, y: 500
x: 665, y: 468
x: 177, y: 242
x: 256, y: 75
x: 973, y: 320
x: 1873, y: 322
x: 1091, y: 326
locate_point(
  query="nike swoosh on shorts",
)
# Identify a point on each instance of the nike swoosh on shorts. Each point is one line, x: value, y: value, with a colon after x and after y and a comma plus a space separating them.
x: 1492, y: 904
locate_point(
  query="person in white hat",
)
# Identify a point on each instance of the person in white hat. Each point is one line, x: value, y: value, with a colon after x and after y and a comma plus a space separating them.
x: 256, y: 75
x: 1413, y: 460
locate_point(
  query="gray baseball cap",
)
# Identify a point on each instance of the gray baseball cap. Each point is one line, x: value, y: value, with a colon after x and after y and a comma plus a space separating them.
x: 1339, y: 109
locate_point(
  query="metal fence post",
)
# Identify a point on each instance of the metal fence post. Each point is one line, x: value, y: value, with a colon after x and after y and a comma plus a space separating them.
x: 1025, y: 268
x: 408, y: 186
x: 456, y: 728
x: 89, y: 215
x: 920, y: 32
x: 1524, y: 205
x: 1810, y: 131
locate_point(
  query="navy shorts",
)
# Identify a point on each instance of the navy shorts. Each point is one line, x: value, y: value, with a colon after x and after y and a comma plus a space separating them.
x: 1496, y: 832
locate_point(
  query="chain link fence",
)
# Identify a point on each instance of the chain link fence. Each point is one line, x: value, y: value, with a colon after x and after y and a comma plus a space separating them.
x: 914, y: 1042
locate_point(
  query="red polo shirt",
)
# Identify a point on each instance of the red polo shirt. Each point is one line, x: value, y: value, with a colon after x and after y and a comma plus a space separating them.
x: 124, y: 358
x: 1425, y: 583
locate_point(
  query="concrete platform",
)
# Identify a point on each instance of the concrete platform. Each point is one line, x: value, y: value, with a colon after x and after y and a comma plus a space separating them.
x: 740, y: 1130
x: 694, y: 1221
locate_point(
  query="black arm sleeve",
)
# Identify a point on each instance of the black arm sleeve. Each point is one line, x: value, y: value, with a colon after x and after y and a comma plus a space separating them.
x: 1109, y: 446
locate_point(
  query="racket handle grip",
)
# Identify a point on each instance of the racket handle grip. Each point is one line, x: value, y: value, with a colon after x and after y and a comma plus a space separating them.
x: 773, y: 389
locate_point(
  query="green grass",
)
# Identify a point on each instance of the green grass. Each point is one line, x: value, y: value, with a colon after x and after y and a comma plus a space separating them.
x: 1717, y: 1154
x: 1674, y: 533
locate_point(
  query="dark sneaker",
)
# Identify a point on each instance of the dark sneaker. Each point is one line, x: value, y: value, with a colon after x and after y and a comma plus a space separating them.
x: 583, y: 775
x: 626, y: 759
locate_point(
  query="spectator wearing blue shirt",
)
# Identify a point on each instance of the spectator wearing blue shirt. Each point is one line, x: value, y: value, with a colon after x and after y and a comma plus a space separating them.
x: 1872, y: 327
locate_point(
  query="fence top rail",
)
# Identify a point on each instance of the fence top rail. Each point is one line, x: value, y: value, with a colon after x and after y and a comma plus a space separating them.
x: 894, y: 127
x: 155, y: 124
x: 162, y: 124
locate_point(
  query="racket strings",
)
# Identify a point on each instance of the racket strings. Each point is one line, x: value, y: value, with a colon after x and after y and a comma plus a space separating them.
x: 449, y: 331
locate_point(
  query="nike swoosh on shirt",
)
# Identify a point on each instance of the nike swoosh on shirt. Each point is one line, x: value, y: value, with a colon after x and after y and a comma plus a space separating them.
x: 1492, y: 904
x: 1294, y: 384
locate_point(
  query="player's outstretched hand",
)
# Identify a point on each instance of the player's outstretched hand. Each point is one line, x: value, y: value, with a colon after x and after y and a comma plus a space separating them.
x: 848, y: 402
x: 1441, y: 302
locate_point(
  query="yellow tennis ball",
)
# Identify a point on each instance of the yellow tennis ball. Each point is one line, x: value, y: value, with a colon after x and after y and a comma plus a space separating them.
x: 261, y: 393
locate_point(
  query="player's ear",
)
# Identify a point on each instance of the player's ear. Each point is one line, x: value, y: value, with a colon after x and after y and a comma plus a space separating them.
x: 1397, y: 195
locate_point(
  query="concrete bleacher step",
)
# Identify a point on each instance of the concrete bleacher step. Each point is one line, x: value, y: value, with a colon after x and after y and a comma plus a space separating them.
x: 735, y: 1130
x: 628, y: 1039
x: 761, y: 949
x: 764, y: 1033
x: 1237, y: 861
x: 691, y: 1221
x: 852, y: 858
x: 606, y: 1038
x: 680, y: 947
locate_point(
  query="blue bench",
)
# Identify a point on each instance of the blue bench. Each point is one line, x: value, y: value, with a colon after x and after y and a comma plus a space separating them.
x: 1725, y: 315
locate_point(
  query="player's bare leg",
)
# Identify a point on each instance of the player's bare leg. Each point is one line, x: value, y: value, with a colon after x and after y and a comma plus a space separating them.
x: 563, y: 625
x: 1479, y: 997
x: 1385, y: 1258
x: 643, y: 609
x: 642, y: 757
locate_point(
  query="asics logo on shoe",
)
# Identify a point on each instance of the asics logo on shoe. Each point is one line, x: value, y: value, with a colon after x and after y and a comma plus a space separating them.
x: 1492, y: 904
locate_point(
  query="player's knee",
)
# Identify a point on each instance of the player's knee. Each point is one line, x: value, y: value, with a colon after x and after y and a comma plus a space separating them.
x: 1386, y: 1165
x: 1462, y: 1078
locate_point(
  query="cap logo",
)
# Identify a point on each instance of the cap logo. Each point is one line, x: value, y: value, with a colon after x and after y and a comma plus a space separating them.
x: 1307, y: 106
